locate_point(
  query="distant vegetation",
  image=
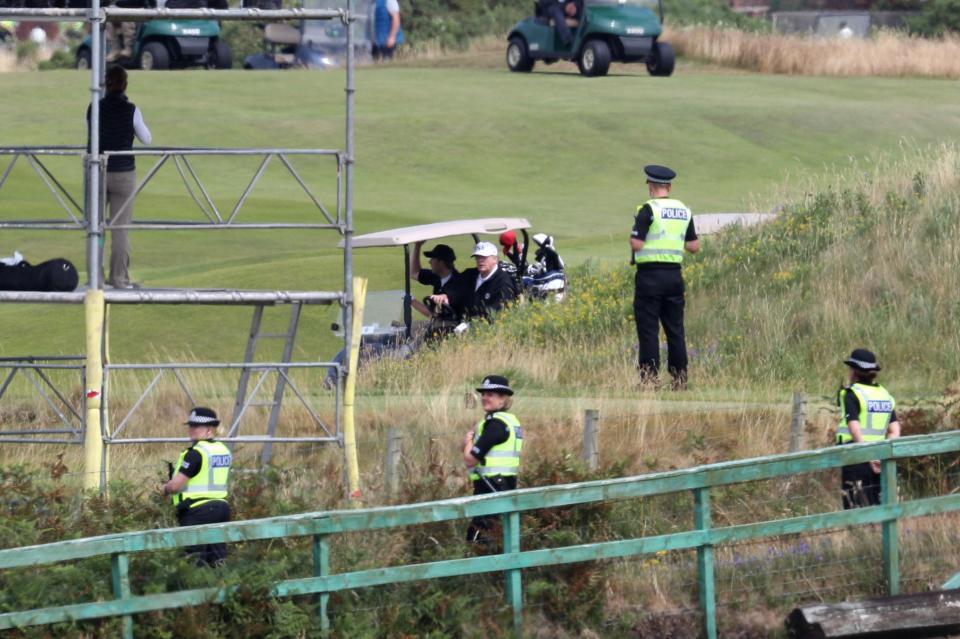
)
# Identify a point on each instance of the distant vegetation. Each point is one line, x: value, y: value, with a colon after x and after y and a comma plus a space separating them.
x: 887, y: 53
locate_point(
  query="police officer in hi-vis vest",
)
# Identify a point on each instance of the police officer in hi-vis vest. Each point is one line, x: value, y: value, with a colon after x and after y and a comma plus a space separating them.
x: 492, y: 450
x: 662, y: 231
x: 199, y: 483
x: 867, y: 414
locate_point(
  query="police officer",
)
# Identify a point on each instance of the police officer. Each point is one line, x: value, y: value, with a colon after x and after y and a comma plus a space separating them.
x: 662, y: 231
x: 199, y: 483
x: 867, y: 415
x: 491, y: 451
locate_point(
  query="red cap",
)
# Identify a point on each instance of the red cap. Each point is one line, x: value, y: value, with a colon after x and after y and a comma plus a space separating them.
x: 508, y: 238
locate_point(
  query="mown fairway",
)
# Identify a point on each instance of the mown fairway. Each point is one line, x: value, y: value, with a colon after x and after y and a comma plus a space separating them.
x: 433, y: 144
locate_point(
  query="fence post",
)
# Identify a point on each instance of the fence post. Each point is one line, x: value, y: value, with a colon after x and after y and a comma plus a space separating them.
x: 321, y: 568
x: 394, y: 442
x: 798, y: 421
x: 511, y: 544
x: 891, y: 549
x: 591, y: 452
x: 120, y: 573
x: 708, y: 604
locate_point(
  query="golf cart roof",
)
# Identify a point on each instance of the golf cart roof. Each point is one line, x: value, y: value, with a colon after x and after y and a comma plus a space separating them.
x: 437, y: 230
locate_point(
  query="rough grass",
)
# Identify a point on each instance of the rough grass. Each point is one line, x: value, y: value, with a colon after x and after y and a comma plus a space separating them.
x: 885, y: 54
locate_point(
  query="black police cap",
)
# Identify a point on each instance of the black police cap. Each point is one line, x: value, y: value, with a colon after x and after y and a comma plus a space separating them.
x: 862, y: 360
x: 659, y: 174
x: 203, y: 416
x: 496, y: 384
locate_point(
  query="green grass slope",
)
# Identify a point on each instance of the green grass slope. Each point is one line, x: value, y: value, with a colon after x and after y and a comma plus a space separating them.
x: 431, y: 144
x: 867, y: 260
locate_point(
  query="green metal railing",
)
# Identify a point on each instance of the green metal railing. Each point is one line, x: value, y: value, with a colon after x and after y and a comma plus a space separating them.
x: 321, y: 525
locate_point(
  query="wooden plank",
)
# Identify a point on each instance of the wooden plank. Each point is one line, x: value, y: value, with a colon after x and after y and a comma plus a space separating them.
x: 490, y: 563
x: 467, y: 507
x: 120, y: 573
x: 707, y: 594
x: 511, y: 545
x: 890, y: 542
x: 929, y: 614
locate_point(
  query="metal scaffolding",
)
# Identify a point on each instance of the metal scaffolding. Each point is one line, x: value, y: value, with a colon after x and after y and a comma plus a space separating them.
x: 86, y: 421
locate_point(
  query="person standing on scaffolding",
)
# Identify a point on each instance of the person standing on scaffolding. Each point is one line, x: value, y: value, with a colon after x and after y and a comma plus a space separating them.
x: 120, y: 121
x: 491, y: 452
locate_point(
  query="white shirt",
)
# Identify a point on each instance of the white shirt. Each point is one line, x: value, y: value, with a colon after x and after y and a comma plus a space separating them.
x: 481, y: 279
x: 444, y: 280
x: 393, y: 7
x: 140, y: 127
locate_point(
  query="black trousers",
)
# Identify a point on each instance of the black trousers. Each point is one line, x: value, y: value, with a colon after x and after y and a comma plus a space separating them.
x: 382, y: 52
x: 860, y: 486
x: 481, y: 529
x: 214, y: 511
x: 555, y: 12
x: 658, y: 299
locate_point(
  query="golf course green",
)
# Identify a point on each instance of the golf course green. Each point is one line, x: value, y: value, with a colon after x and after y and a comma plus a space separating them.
x: 431, y: 144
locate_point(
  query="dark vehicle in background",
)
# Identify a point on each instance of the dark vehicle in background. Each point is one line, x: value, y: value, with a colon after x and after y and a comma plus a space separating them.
x: 607, y: 31
x: 173, y: 44
x: 313, y: 44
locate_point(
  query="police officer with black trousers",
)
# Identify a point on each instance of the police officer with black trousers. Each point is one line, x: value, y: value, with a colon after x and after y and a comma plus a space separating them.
x: 198, y: 483
x: 491, y: 451
x: 662, y: 231
x: 867, y: 414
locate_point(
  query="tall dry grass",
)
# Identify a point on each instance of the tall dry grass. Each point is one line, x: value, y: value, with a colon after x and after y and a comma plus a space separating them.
x: 888, y: 53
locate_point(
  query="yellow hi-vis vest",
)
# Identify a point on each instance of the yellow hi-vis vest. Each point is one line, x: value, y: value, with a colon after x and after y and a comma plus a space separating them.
x: 667, y: 234
x: 211, y: 481
x: 876, y: 408
x: 503, y: 459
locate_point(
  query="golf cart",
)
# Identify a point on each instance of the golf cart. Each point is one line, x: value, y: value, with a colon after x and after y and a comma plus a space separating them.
x: 425, y: 233
x: 607, y: 31
x: 311, y: 44
x: 172, y: 44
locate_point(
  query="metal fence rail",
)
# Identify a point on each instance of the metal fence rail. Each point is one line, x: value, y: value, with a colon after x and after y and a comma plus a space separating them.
x: 329, y: 433
x: 68, y: 202
x: 69, y: 412
x: 321, y: 525
x: 194, y: 185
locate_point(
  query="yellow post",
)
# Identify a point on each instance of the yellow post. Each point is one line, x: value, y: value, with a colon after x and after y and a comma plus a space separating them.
x: 92, y: 441
x: 349, y: 432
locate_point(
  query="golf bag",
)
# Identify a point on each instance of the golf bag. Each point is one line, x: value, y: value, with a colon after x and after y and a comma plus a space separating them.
x: 545, y: 277
x: 53, y: 275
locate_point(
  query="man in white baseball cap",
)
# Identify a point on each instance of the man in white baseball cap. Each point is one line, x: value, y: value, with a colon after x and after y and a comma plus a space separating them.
x: 484, y: 290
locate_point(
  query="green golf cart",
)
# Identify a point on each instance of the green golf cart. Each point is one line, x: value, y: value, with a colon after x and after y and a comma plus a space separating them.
x: 607, y: 31
x: 171, y: 44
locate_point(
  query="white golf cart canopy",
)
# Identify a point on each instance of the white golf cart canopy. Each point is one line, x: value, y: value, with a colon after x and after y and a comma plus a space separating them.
x: 437, y: 230
x: 425, y: 232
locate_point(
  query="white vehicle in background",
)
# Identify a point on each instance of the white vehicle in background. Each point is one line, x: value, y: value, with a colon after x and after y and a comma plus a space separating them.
x: 313, y: 44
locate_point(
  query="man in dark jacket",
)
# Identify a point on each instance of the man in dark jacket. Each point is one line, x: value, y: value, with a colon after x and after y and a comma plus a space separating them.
x: 482, y: 291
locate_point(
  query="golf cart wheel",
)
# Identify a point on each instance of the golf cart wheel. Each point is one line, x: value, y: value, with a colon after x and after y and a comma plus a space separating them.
x: 661, y: 61
x: 83, y: 59
x: 594, y: 58
x: 220, y: 56
x: 518, y: 57
x: 154, y: 57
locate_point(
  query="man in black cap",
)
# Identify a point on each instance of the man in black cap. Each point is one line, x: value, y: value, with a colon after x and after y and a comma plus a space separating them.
x: 662, y: 231
x: 867, y: 414
x: 198, y: 483
x: 441, y: 277
x: 491, y: 451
